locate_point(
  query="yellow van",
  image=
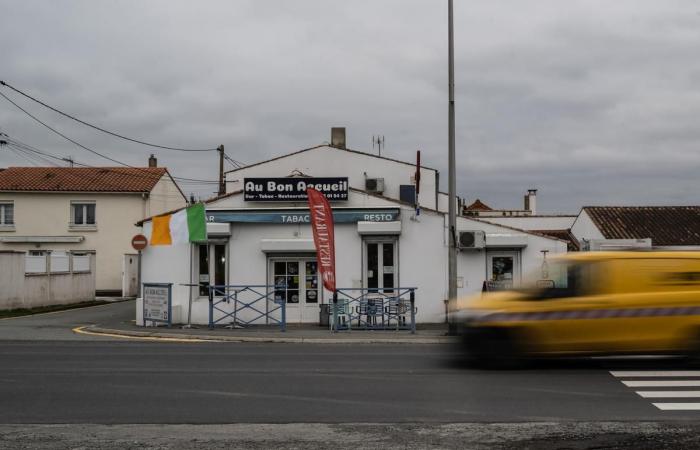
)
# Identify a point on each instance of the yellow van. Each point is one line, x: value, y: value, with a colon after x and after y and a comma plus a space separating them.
x: 590, y: 303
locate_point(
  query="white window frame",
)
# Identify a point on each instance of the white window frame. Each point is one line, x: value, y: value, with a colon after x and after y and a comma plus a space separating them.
x: 3, y: 219
x: 380, y: 239
x: 82, y: 203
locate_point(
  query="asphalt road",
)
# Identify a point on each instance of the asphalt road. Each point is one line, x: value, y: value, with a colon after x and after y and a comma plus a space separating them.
x: 50, y: 375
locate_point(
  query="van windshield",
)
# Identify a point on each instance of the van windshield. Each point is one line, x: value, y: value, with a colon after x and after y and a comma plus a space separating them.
x: 559, y: 279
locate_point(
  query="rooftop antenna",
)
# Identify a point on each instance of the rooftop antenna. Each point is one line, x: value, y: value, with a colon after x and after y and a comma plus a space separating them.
x: 378, y: 141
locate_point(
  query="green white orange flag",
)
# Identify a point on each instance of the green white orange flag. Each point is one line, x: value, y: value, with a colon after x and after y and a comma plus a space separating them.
x: 186, y: 225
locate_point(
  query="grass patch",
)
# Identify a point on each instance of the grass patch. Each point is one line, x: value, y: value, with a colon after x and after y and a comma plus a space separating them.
x: 4, y: 313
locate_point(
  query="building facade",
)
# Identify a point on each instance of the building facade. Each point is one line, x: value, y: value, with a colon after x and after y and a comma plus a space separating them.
x: 259, y: 234
x: 62, y: 209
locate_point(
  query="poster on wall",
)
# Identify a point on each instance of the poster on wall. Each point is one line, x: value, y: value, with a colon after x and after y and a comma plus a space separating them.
x: 293, y: 189
x: 157, y: 303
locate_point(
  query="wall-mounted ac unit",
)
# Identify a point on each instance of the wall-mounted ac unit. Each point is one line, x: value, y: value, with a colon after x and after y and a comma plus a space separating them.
x: 468, y: 240
x: 375, y: 185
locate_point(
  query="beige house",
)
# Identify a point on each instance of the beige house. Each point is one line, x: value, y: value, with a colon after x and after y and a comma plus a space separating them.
x: 74, y: 210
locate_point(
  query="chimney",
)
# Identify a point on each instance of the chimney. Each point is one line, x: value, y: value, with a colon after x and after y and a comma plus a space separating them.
x: 531, y: 201
x: 338, y: 137
x: 152, y: 161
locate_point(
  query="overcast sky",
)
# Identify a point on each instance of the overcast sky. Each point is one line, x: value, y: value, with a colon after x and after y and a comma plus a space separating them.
x: 591, y: 102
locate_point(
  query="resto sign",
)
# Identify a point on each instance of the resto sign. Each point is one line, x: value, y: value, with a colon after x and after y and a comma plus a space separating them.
x: 139, y: 242
x: 290, y: 189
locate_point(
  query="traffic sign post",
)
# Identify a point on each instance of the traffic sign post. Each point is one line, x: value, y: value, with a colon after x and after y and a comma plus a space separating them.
x: 139, y: 242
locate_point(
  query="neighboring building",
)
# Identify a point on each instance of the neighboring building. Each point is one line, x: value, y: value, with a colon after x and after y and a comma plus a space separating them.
x: 553, y: 225
x: 481, y: 209
x: 65, y: 209
x: 259, y: 233
x: 659, y: 227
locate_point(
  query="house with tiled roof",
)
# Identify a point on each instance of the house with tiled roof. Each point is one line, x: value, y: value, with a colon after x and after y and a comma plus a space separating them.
x: 662, y: 227
x: 63, y: 210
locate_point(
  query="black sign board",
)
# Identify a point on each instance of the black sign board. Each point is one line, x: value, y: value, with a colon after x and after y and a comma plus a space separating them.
x: 293, y: 189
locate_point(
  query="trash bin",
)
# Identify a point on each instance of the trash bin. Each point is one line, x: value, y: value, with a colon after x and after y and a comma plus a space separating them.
x: 324, y: 315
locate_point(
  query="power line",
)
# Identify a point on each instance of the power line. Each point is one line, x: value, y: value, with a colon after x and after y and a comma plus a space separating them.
x: 165, y: 147
x: 146, y: 174
x: 87, y: 148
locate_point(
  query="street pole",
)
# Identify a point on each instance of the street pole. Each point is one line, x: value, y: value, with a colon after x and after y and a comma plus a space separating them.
x: 222, y: 182
x: 452, y: 176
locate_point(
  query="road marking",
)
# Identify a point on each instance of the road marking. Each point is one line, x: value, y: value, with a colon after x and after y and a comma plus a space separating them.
x: 64, y: 310
x: 678, y: 406
x: 669, y: 394
x: 661, y: 383
x: 82, y: 330
x: 655, y: 374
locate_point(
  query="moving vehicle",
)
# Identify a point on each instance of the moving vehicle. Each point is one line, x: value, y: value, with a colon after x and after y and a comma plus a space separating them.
x: 590, y: 303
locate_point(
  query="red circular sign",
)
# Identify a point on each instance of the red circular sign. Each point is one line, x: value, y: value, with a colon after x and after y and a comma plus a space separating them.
x: 139, y: 242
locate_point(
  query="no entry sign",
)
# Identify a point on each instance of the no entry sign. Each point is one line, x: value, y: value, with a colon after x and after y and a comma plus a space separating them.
x: 139, y: 242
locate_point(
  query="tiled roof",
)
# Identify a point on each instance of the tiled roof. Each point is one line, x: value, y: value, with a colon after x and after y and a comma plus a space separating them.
x: 572, y: 243
x: 478, y: 205
x: 80, y: 179
x: 665, y: 225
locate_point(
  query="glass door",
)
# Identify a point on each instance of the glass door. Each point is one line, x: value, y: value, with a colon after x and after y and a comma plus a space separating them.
x: 380, y: 272
x: 297, y: 283
x: 211, y: 267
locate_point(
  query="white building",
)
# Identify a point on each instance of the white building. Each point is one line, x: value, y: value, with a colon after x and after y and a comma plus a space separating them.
x: 62, y: 210
x: 259, y: 235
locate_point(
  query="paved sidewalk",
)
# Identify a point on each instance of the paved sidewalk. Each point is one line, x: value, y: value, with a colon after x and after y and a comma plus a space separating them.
x: 425, y: 334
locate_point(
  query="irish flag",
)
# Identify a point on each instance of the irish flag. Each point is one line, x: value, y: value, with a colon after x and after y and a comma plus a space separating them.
x: 187, y: 225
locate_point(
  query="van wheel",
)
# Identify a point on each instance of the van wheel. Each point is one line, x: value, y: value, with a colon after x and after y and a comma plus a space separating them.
x: 693, y: 355
x: 495, y: 349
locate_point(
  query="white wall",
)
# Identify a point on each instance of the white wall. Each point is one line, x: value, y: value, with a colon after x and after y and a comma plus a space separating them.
x: 334, y: 162
x: 167, y: 264
x: 584, y: 228
x: 472, y: 264
x: 534, y: 222
x: 20, y: 290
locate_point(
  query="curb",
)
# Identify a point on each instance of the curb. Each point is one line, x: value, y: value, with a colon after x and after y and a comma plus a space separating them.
x: 156, y: 335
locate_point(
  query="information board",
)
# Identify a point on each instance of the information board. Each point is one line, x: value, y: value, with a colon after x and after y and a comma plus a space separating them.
x: 157, y: 302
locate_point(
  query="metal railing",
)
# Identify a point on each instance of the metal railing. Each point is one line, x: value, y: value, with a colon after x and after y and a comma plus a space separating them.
x: 374, y: 309
x: 246, y: 305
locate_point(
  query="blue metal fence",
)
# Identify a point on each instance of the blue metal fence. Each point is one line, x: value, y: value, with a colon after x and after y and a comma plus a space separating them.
x: 243, y: 305
x: 373, y: 309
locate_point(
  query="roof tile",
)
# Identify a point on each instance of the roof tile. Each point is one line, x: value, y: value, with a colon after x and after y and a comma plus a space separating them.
x: 665, y: 225
x: 80, y: 179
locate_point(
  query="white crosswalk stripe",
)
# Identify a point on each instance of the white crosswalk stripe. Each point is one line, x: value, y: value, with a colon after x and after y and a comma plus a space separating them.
x: 664, y: 379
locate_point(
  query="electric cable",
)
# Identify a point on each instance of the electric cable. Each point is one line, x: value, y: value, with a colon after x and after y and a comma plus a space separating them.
x: 165, y: 147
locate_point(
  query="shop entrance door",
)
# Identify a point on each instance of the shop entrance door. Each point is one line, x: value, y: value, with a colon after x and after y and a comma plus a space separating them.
x: 296, y: 282
x: 380, y: 271
x: 504, y: 269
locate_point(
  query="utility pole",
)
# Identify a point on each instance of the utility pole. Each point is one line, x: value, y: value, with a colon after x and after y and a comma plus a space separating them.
x: 222, y: 181
x: 452, y: 176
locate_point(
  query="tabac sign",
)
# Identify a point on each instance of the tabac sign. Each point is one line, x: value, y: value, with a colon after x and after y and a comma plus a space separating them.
x: 293, y: 189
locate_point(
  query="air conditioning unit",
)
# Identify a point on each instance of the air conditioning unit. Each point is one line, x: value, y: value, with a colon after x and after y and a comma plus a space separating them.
x: 469, y: 240
x: 375, y: 185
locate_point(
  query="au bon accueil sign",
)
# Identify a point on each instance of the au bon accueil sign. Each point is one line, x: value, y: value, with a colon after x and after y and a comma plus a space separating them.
x: 292, y: 189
